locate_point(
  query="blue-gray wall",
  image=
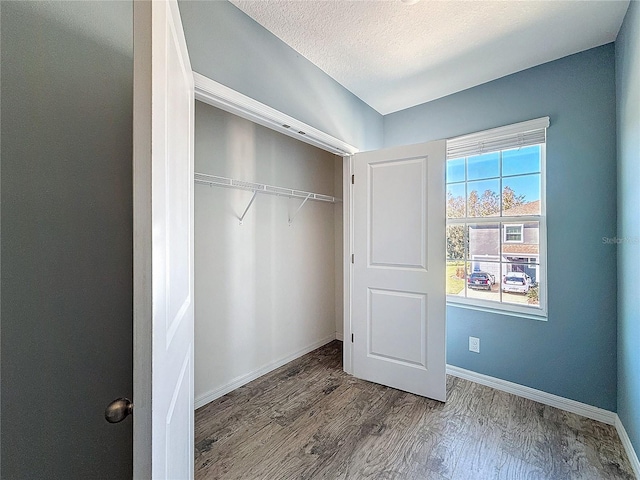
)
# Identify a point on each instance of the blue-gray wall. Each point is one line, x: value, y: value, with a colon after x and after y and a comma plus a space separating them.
x: 628, y: 102
x: 573, y: 354
x: 67, y: 76
x: 229, y: 47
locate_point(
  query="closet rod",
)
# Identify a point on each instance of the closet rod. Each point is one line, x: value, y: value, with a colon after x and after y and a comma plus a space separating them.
x: 214, y: 180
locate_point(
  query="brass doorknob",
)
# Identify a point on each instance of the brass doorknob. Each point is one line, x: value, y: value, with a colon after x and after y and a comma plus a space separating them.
x: 118, y: 410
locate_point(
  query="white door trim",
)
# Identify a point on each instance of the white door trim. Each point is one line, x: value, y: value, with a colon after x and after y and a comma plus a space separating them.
x: 213, y: 93
x: 142, y: 297
x: 347, y: 248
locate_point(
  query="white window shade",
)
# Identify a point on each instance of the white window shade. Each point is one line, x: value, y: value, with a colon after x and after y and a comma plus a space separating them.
x: 524, y: 134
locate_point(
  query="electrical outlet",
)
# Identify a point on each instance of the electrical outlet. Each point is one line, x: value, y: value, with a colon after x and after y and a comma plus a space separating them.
x: 474, y: 344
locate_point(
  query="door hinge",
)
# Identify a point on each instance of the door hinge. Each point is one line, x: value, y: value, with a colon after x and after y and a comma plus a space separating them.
x: 353, y: 179
x: 352, y: 258
x: 352, y: 338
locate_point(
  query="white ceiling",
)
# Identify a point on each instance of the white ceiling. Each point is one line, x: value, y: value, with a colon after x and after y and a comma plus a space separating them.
x: 394, y: 55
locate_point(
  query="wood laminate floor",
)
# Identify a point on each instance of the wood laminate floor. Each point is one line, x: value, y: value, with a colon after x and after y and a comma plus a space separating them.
x: 309, y: 420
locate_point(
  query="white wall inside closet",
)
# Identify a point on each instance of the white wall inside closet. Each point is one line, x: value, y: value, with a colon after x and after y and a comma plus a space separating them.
x: 265, y: 292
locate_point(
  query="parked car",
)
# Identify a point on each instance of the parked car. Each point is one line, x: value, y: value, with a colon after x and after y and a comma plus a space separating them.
x: 517, y: 282
x: 484, y: 280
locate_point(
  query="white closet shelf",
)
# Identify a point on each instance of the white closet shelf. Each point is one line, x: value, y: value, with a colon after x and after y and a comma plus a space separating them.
x: 217, y: 181
x: 214, y: 180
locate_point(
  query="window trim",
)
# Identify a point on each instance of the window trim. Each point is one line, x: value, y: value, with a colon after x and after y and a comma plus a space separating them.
x: 539, y: 312
x: 531, y: 132
x: 521, y: 233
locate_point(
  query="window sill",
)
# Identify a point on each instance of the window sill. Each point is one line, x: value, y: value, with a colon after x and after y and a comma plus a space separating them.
x: 520, y: 312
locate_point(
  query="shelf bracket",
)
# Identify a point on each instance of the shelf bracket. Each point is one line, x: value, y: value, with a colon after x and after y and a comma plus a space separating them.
x: 248, y: 206
x: 299, y: 208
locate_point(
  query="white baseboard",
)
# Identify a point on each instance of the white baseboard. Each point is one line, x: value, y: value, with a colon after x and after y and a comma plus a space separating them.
x: 248, y: 377
x: 339, y: 336
x: 626, y: 441
x: 579, y: 408
x: 589, y: 411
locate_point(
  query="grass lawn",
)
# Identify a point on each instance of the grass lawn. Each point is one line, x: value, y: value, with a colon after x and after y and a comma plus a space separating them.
x: 454, y: 284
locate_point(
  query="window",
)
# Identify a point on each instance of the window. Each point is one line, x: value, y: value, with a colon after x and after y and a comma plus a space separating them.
x: 513, y: 233
x: 496, y: 229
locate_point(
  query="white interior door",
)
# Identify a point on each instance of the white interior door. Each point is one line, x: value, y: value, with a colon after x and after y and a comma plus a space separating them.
x: 398, y: 304
x: 163, y: 244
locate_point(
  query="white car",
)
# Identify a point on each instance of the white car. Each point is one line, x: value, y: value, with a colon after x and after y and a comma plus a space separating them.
x: 517, y: 282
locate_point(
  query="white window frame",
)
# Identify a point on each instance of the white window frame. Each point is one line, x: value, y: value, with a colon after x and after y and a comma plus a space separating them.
x: 504, y: 235
x: 532, y: 132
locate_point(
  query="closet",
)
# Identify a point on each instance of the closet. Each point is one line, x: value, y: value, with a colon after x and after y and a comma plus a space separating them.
x: 268, y: 250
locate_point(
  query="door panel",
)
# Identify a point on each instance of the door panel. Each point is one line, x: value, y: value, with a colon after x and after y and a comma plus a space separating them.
x: 163, y: 244
x: 398, y: 318
x: 397, y: 196
x: 389, y: 310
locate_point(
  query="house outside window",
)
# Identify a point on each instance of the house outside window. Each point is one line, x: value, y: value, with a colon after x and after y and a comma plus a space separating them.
x: 496, y: 223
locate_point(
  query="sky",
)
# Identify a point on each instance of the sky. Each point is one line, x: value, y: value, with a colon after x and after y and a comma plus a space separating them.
x: 520, y: 170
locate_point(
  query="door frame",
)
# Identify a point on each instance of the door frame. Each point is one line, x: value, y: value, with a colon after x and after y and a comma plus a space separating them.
x: 213, y: 93
x: 220, y: 96
x: 347, y: 268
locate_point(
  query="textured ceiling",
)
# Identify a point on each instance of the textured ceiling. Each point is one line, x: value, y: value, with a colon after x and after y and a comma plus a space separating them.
x: 394, y: 55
